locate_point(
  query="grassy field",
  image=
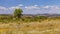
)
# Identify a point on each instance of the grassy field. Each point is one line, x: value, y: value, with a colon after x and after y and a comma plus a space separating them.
x: 48, y: 26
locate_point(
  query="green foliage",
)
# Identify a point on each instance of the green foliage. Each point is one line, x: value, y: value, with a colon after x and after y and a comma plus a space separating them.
x: 40, y: 18
x: 34, y: 19
x: 7, y: 19
x: 18, y: 13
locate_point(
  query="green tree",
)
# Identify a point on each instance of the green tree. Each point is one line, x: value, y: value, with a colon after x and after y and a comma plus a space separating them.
x: 18, y: 13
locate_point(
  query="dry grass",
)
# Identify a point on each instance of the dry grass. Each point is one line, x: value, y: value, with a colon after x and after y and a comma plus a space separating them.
x: 44, y: 27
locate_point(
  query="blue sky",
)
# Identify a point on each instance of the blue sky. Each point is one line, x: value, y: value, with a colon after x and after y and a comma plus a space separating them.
x: 30, y: 6
x: 8, y: 3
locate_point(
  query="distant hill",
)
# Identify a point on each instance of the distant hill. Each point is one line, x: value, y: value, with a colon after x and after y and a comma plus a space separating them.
x: 5, y: 15
x: 48, y: 15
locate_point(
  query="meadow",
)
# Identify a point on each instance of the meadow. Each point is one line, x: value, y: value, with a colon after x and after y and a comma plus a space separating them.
x: 29, y: 25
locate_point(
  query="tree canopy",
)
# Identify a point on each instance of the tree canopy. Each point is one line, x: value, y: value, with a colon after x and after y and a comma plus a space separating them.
x: 18, y: 13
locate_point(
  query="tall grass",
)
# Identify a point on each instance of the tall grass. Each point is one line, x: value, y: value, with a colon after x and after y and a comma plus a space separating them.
x: 7, y: 19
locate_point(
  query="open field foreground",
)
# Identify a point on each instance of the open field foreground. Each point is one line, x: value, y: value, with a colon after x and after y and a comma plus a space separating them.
x: 44, y: 27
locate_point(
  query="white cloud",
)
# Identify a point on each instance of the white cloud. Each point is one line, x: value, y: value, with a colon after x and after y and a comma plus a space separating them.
x: 46, y: 7
x: 43, y: 9
x: 16, y: 7
x: 32, y: 7
x: 35, y: 5
x: 12, y: 8
x: 3, y: 8
x: 52, y: 9
x: 20, y: 5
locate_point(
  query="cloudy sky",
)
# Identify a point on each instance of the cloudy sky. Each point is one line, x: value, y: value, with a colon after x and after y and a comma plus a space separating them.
x: 30, y: 6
